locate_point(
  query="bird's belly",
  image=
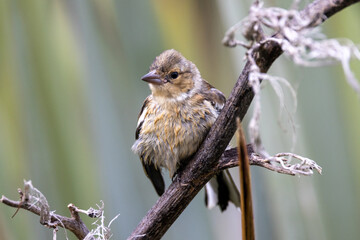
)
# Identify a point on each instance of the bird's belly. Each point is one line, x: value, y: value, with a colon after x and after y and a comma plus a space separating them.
x: 172, y: 136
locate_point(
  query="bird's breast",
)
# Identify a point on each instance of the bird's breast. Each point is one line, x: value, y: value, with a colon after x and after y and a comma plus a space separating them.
x: 172, y: 132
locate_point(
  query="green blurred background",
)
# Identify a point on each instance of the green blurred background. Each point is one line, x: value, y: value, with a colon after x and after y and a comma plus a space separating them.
x: 70, y: 92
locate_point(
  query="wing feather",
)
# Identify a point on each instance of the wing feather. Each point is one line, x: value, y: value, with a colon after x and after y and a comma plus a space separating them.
x: 141, y: 117
x: 154, y: 174
x: 215, y: 96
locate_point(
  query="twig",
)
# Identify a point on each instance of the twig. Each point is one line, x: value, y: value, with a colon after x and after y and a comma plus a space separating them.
x: 278, y: 163
x: 31, y: 202
x: 72, y: 224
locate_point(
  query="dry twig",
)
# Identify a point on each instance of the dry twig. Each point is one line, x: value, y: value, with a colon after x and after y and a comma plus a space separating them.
x: 32, y: 200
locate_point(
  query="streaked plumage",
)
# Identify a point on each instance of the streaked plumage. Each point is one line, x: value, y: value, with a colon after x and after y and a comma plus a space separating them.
x: 175, y: 119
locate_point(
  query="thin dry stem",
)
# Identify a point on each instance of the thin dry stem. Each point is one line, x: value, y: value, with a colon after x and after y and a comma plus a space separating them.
x: 247, y: 216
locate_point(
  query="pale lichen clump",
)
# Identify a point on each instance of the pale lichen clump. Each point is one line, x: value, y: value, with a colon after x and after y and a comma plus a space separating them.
x: 302, y: 41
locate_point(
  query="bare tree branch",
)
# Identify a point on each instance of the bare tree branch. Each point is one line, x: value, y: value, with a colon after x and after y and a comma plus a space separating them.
x: 52, y: 220
x: 32, y: 200
x: 204, y: 164
x: 74, y: 224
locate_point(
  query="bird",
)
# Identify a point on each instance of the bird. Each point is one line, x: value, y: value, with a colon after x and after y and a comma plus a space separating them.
x: 174, y: 120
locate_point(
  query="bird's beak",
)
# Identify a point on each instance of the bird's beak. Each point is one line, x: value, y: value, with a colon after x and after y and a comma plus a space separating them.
x: 153, y: 78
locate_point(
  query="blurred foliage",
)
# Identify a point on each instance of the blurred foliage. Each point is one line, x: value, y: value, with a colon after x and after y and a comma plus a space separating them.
x: 70, y: 92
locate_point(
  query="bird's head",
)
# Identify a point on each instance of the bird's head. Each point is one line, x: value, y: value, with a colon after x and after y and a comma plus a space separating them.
x: 171, y: 75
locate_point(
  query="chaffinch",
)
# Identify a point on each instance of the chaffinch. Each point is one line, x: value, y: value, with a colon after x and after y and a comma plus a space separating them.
x: 173, y: 122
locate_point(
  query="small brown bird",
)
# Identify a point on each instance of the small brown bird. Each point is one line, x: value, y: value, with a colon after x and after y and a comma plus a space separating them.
x: 173, y: 122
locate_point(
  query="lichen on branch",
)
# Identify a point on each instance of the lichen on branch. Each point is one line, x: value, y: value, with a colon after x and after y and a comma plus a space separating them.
x: 300, y: 38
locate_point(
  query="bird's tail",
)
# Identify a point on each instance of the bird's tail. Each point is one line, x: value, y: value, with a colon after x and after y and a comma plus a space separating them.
x: 220, y: 190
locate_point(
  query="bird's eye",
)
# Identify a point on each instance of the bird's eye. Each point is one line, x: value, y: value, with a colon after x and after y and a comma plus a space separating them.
x: 174, y: 75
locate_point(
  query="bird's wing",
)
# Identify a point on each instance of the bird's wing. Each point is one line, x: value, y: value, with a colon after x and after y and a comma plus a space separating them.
x: 215, y: 96
x: 141, y: 117
x: 221, y: 189
x: 152, y: 172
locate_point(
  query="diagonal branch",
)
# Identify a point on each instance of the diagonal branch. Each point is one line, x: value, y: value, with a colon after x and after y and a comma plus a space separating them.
x: 205, y: 163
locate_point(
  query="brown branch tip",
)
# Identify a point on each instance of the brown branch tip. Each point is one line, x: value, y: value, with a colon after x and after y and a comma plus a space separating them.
x: 32, y: 200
